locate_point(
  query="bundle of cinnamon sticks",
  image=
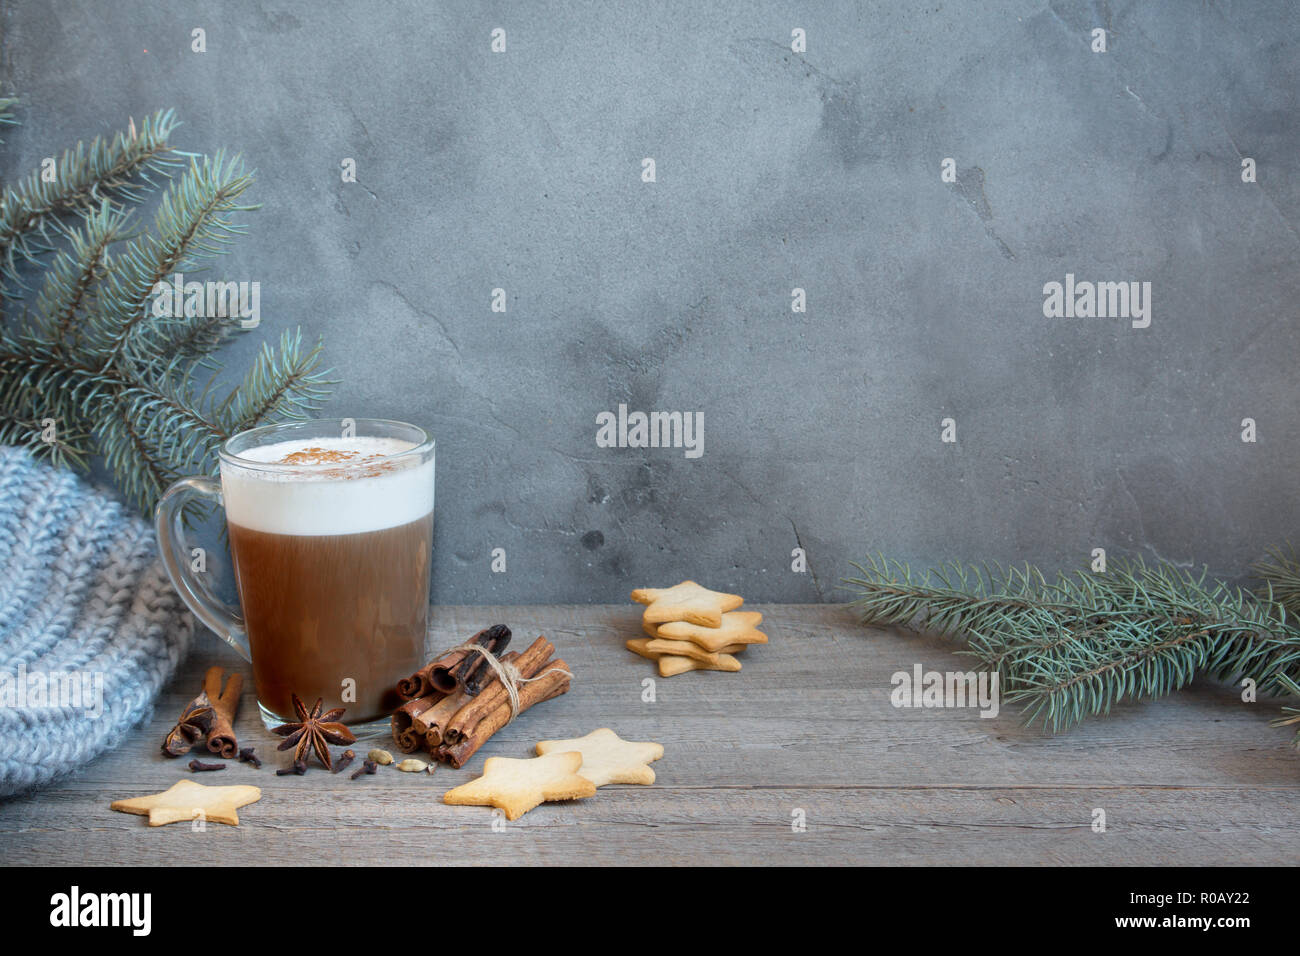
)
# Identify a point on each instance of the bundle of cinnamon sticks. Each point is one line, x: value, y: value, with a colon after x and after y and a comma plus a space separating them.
x: 456, y: 702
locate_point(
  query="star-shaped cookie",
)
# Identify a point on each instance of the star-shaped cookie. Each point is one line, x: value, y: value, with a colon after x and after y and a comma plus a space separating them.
x: 738, y: 627
x: 516, y: 786
x: 637, y: 645
x: 670, y: 665
x: 661, y: 646
x: 186, y: 799
x: 608, y: 758
x: 655, y: 648
x: 687, y: 601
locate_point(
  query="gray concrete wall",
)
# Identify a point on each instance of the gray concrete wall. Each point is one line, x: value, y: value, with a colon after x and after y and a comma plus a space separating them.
x: 522, y: 170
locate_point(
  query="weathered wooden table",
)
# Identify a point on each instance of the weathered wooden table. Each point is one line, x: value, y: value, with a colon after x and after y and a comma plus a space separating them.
x: 805, y: 731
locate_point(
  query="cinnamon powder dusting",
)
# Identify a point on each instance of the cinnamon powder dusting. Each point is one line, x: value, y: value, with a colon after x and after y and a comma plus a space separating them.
x: 336, y: 456
x: 320, y: 456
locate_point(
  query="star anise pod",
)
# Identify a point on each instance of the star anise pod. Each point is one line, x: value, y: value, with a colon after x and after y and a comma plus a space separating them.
x: 314, y: 731
x: 191, y: 727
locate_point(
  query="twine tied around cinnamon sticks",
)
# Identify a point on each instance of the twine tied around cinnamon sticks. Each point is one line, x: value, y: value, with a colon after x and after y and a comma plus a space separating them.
x: 508, y: 673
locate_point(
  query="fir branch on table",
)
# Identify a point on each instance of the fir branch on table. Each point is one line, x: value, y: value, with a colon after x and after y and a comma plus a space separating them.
x: 1073, y: 646
x: 1293, y: 713
x: 88, y: 357
x: 1281, y: 576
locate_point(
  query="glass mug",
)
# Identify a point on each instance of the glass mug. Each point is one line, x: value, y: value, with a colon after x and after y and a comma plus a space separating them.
x: 331, y: 535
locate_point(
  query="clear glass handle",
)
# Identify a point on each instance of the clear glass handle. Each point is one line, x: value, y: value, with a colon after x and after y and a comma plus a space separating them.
x: 226, y: 622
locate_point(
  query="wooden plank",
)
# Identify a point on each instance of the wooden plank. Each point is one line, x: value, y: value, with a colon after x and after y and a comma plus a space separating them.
x: 671, y: 825
x: 1199, y: 777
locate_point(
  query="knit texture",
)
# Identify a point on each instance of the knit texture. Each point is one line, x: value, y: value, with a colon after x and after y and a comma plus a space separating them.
x: 84, y: 604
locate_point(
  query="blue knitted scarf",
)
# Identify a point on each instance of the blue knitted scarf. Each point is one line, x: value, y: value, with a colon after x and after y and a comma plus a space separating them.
x: 90, y: 628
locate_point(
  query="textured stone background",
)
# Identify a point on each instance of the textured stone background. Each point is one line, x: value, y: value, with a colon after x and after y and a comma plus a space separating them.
x: 775, y: 170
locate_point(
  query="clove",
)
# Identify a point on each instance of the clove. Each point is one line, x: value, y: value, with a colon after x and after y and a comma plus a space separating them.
x: 367, y: 766
x: 247, y: 756
x: 347, y: 757
x: 198, y: 766
x: 298, y: 769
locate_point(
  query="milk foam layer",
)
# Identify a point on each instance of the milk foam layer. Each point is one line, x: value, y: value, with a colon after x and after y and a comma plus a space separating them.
x: 356, y: 491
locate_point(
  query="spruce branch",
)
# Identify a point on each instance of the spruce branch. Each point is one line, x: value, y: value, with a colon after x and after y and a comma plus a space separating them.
x: 1280, y: 572
x: 116, y: 169
x: 189, y: 337
x: 193, y: 222
x: 7, y: 104
x: 69, y: 447
x: 1091, y: 673
x: 1292, y: 713
x: 140, y: 465
x: 281, y: 384
x: 74, y: 272
x: 91, y: 369
x: 955, y: 599
x: 1073, y: 646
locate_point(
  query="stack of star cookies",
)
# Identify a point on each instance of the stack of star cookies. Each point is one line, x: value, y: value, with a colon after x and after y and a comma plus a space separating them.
x: 694, y: 629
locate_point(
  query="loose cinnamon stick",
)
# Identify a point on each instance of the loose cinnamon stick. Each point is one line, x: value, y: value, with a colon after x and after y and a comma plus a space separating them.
x: 406, y: 737
x: 225, y: 705
x: 464, y: 669
x: 553, y: 683
x: 529, y: 663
